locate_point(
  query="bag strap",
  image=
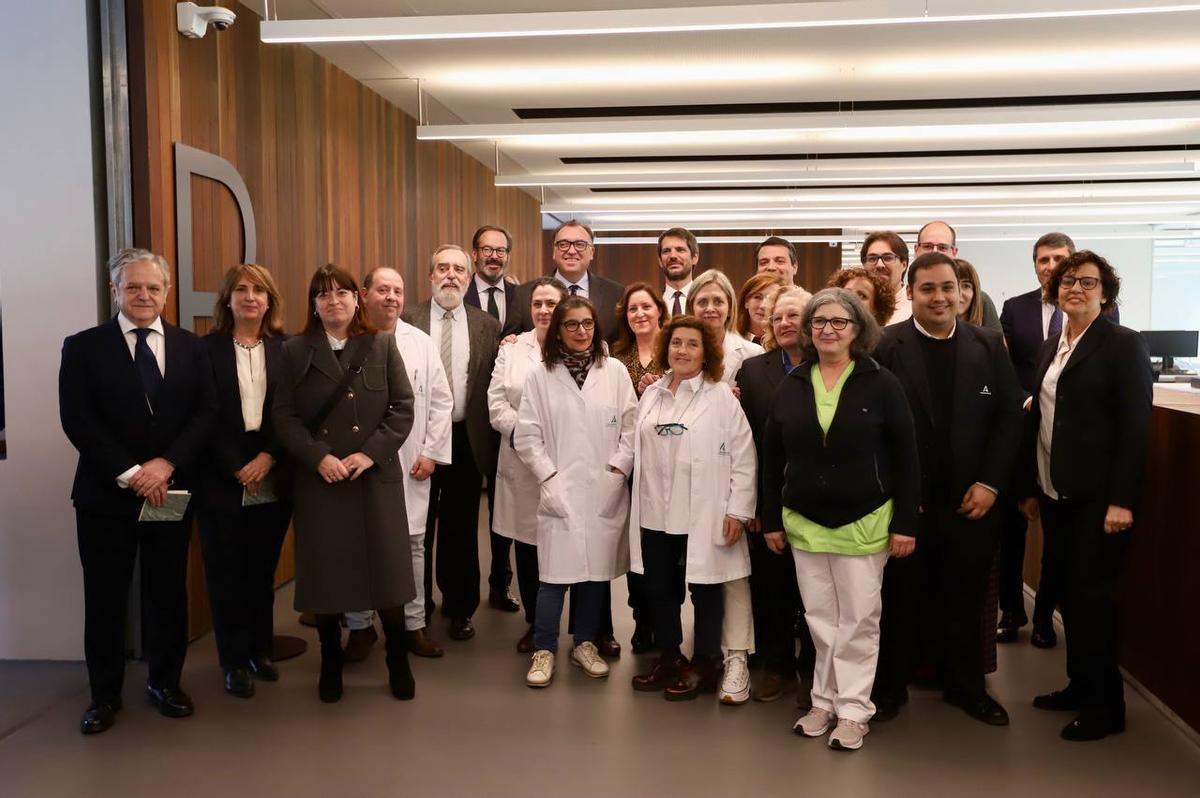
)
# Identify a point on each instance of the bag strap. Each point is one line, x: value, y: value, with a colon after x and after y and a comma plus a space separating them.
x: 361, y: 348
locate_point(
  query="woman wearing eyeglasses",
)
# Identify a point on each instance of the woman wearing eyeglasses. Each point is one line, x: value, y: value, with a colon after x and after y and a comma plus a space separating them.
x: 840, y: 483
x: 1091, y: 413
x: 693, y: 494
x: 574, y: 431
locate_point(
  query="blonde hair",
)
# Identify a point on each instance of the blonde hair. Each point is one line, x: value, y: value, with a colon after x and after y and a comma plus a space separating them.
x: 712, y: 276
x: 768, y: 340
x: 272, y: 323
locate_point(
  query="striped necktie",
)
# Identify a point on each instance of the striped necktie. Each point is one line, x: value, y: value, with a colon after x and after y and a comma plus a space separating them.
x: 447, y: 344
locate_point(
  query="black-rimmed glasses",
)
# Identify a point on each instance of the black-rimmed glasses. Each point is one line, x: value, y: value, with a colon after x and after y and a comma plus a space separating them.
x: 563, y: 245
x: 673, y: 428
x: 839, y: 324
x: 1086, y: 283
x: 574, y: 324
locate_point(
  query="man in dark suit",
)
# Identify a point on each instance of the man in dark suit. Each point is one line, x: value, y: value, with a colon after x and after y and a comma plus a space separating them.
x: 967, y: 406
x: 466, y: 338
x: 136, y: 399
x: 573, y: 252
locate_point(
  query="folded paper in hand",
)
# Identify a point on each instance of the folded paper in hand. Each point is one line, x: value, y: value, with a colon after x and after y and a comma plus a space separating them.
x: 172, y: 509
x: 265, y: 495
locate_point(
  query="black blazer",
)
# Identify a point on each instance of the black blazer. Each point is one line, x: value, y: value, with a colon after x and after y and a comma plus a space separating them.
x: 230, y: 446
x: 512, y: 313
x: 104, y: 413
x: 1101, y: 417
x: 868, y: 456
x: 1021, y: 320
x: 757, y: 379
x: 603, y: 293
x: 987, y: 399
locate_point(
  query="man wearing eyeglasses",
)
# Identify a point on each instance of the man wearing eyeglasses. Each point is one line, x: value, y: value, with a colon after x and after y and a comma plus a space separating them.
x: 937, y: 236
x: 886, y: 252
x: 491, y: 288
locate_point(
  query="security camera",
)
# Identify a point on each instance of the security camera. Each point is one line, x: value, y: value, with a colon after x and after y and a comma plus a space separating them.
x: 193, y: 21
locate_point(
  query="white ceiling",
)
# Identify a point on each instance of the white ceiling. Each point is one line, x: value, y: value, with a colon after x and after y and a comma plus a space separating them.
x: 472, y: 87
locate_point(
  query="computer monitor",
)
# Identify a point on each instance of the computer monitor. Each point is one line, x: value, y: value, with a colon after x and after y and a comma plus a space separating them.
x: 1170, y: 344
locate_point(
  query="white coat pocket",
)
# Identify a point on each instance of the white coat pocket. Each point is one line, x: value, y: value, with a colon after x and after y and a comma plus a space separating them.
x: 550, y: 501
x: 614, y: 490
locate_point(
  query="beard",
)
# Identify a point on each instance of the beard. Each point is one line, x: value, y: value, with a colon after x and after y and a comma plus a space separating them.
x: 448, y: 297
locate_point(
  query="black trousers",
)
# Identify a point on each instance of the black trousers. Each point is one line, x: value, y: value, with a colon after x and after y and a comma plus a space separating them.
x: 108, y: 547
x: 1013, y: 529
x: 1089, y: 561
x: 241, y: 551
x: 500, y: 573
x: 452, y: 530
x: 898, y: 628
x: 527, y: 577
x: 775, y: 599
x: 662, y: 555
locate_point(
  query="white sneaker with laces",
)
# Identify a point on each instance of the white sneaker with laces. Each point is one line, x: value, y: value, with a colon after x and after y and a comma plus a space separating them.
x: 848, y: 736
x: 587, y: 657
x: 735, y: 683
x: 541, y: 669
x: 815, y: 723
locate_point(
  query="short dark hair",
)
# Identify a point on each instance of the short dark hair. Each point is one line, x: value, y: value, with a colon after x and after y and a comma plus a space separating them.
x: 953, y: 232
x: 625, y: 338
x: 546, y: 281
x: 491, y: 228
x: 713, y: 365
x: 776, y: 241
x: 369, y: 277
x: 928, y: 261
x: 680, y: 232
x: 331, y: 276
x: 1110, y: 283
x: 1054, y: 241
x: 894, y: 241
x: 552, y: 346
x: 573, y: 223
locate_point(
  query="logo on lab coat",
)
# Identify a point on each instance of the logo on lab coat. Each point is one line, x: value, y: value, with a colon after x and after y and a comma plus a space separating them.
x: 722, y: 451
x: 985, y: 391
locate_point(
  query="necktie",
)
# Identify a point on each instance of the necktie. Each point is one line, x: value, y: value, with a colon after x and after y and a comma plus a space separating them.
x: 492, y: 307
x: 147, y: 366
x: 447, y: 345
x: 574, y: 289
x: 676, y: 308
x: 1055, y: 325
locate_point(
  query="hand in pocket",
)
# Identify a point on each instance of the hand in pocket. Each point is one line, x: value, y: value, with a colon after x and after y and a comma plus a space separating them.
x: 550, y: 500
x: 615, y: 489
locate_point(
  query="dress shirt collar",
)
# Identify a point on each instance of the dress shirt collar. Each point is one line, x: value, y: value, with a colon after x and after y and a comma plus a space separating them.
x: 482, y: 286
x: 1063, y: 346
x: 583, y: 281
x: 336, y: 344
x: 927, y: 334
x: 669, y: 292
x: 459, y: 313
x: 127, y: 325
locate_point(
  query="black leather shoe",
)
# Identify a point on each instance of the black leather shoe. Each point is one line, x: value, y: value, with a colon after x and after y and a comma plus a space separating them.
x: 239, y: 683
x: 171, y: 701
x: 642, y: 641
x: 263, y: 669
x: 982, y: 708
x: 885, y: 711
x: 358, y: 644
x: 503, y: 601
x: 1066, y: 700
x: 99, y: 717
x: 608, y: 646
x: 1084, y: 729
x: 664, y: 673
x: 1010, y: 624
x: 461, y: 629
x: 525, y: 644
x: 1043, y: 636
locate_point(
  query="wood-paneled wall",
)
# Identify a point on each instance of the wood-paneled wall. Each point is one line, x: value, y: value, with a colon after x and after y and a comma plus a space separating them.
x: 334, y: 171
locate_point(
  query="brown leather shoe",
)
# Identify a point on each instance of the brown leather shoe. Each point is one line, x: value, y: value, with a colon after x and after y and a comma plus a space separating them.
x: 422, y: 645
x: 701, y: 676
x: 358, y: 644
x: 608, y: 646
x: 666, y: 671
x: 525, y: 644
x: 772, y: 686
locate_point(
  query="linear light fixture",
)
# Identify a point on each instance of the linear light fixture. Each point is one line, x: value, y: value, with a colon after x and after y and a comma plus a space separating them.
x: 860, y: 13
x: 857, y: 240
x: 890, y: 224
x: 964, y: 209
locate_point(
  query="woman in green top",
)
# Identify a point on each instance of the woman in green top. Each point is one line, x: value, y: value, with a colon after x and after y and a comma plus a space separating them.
x: 840, y: 483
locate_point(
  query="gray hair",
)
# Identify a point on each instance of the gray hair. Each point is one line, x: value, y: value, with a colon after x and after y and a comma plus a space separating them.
x: 868, y: 329
x: 433, y: 259
x: 127, y: 257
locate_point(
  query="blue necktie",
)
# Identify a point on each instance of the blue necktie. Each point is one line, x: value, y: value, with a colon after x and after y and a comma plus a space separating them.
x: 1055, y: 325
x: 147, y: 366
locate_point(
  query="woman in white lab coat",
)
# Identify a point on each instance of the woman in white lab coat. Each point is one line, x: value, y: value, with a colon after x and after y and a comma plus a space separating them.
x: 575, y: 433
x: 515, y: 514
x: 694, y: 490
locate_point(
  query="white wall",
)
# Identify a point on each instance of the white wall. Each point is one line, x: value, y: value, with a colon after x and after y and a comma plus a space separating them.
x: 48, y: 290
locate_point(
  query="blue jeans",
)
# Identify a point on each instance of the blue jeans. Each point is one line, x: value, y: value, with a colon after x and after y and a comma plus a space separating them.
x: 588, y: 599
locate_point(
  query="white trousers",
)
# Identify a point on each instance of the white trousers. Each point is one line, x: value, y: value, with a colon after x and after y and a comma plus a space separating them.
x: 842, y: 605
x: 414, y: 611
x: 737, y: 624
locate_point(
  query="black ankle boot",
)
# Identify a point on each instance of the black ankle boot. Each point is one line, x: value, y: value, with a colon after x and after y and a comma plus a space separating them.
x: 329, y: 686
x: 400, y: 676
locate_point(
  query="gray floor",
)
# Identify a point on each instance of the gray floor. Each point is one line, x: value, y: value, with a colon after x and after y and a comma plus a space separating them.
x: 475, y: 729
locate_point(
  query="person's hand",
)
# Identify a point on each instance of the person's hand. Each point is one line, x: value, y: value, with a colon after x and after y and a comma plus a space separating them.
x: 976, y: 502
x: 508, y: 339
x: 253, y: 473
x: 737, y: 392
x: 153, y: 474
x: 901, y: 545
x: 776, y: 541
x: 1117, y: 519
x: 646, y: 381
x: 332, y: 469
x: 1029, y: 508
x: 158, y: 496
x: 356, y: 464
x: 422, y: 469
x: 732, y: 530
x: 755, y: 525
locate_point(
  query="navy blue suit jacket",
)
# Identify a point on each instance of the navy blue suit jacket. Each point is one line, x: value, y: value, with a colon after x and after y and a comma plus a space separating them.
x: 512, y: 314
x: 1021, y: 320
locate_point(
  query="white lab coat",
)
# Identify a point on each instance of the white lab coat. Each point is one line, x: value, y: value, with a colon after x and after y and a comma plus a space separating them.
x: 515, y: 509
x: 583, y: 510
x: 737, y: 351
x: 720, y: 447
x: 432, y: 405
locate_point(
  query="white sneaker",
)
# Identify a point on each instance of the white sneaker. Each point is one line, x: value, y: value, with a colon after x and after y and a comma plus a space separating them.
x: 735, y: 683
x: 587, y: 657
x: 541, y: 670
x: 849, y: 734
x: 815, y: 723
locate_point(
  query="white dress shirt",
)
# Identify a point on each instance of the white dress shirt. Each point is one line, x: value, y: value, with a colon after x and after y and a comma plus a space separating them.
x: 583, y: 283
x: 460, y: 353
x: 669, y: 297
x: 158, y: 345
x: 1046, y: 401
x: 252, y: 382
x: 903, y: 306
x: 482, y: 286
x: 665, y: 484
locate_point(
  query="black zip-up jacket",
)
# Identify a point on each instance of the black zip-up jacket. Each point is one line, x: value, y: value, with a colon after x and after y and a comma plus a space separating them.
x: 868, y: 456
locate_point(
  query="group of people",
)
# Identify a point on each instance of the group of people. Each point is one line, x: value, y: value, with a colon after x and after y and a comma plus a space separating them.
x: 863, y: 457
